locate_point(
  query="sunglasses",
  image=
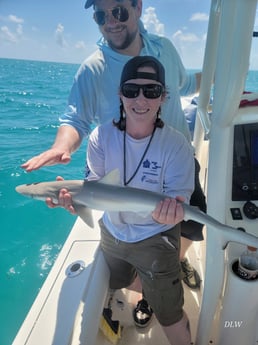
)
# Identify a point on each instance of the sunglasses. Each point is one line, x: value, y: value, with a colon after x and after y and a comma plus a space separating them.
x: 120, y: 13
x: 151, y: 91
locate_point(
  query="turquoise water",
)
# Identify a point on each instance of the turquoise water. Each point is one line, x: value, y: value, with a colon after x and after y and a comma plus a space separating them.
x: 32, y: 96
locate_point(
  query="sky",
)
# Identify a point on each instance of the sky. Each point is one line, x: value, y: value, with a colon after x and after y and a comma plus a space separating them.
x: 63, y: 31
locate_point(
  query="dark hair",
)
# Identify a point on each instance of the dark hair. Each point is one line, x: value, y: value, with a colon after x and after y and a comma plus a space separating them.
x: 121, y: 123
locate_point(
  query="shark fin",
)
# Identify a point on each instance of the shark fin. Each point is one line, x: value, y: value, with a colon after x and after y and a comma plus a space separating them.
x: 85, y: 214
x: 112, y: 178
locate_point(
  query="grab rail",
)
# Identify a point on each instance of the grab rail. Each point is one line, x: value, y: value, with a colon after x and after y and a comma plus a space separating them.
x: 207, y: 73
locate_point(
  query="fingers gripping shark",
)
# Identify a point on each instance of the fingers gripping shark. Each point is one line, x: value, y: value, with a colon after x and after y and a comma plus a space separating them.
x: 108, y: 195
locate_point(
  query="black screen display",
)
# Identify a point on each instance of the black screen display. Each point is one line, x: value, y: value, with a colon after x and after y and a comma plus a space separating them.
x: 245, y: 162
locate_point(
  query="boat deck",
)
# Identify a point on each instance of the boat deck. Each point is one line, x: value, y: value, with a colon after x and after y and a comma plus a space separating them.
x: 124, y: 301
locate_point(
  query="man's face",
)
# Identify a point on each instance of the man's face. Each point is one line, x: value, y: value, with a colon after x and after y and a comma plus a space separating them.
x: 116, y: 27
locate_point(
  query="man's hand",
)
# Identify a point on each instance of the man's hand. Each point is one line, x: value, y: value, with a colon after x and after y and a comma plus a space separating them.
x: 169, y: 211
x: 67, y: 141
x: 64, y: 199
x: 49, y: 157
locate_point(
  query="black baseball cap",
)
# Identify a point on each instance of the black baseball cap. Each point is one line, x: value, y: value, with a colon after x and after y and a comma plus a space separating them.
x: 88, y: 3
x: 130, y: 70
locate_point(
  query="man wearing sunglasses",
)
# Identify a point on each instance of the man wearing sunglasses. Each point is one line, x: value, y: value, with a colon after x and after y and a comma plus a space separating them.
x: 152, y: 156
x: 93, y: 98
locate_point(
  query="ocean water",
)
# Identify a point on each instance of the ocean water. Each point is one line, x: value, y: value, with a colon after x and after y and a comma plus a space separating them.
x: 32, y: 96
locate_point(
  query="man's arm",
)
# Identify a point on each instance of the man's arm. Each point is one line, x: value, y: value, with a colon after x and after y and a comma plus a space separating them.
x: 67, y: 141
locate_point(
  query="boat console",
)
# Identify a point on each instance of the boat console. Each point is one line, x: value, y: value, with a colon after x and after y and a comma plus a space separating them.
x: 234, y: 197
x: 242, y: 195
x: 229, y: 309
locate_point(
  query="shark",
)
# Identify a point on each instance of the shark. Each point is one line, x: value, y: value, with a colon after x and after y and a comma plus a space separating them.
x: 107, y: 194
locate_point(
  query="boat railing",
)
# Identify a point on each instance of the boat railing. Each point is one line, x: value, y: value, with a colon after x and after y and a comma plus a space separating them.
x: 203, y: 123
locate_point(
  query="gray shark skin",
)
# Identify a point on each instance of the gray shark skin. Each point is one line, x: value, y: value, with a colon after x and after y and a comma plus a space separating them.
x: 107, y: 195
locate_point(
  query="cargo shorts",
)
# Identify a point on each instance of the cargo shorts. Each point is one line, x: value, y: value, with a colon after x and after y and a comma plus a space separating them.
x: 156, y: 261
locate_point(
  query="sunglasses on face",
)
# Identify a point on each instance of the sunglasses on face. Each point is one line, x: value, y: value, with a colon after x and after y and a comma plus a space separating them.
x: 120, y: 13
x: 151, y: 91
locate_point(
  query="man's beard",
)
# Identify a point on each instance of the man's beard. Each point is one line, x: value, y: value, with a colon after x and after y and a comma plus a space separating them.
x: 130, y: 37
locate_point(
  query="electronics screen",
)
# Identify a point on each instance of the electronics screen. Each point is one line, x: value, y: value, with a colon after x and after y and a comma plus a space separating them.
x: 245, y: 162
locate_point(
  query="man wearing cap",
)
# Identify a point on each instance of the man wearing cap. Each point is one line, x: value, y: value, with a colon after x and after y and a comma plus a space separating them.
x: 152, y: 156
x: 93, y: 98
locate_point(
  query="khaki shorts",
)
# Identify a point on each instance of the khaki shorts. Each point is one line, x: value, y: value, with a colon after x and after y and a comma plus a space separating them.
x: 156, y: 261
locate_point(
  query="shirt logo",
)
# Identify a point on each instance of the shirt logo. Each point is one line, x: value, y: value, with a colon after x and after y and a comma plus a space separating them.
x: 150, y: 171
